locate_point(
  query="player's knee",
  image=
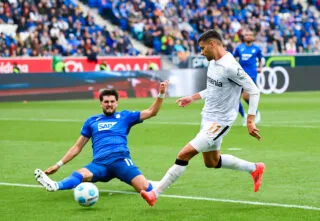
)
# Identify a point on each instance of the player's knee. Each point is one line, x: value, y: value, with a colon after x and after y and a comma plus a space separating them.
x: 213, y: 163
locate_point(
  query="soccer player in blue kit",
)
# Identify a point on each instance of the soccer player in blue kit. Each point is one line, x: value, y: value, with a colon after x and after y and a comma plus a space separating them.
x: 111, y: 157
x: 248, y: 53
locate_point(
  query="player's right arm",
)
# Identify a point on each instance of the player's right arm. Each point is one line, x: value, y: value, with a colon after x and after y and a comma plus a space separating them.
x: 184, y: 101
x: 241, y: 78
x: 71, y: 153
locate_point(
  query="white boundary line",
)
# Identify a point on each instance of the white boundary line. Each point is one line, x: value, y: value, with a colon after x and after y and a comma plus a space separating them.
x: 190, y: 198
x: 270, y: 124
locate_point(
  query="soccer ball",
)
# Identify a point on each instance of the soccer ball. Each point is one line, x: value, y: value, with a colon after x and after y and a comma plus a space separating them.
x: 86, y: 194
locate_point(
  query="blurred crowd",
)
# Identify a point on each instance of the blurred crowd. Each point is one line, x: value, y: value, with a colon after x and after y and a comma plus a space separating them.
x: 51, y: 27
x: 173, y: 26
x: 169, y: 27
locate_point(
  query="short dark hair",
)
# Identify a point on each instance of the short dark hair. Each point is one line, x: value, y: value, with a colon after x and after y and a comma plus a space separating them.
x: 210, y: 34
x: 108, y: 92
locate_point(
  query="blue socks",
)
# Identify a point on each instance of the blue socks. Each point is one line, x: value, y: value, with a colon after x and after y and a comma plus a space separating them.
x: 150, y: 187
x: 70, y: 182
x: 241, y: 110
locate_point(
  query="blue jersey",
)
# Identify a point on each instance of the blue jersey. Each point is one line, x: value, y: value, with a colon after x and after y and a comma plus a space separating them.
x: 248, y: 58
x: 109, y: 134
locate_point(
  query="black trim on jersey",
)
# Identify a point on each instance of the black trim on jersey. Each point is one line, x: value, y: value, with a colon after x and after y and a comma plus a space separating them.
x: 234, y: 82
x: 222, y: 132
x: 181, y: 162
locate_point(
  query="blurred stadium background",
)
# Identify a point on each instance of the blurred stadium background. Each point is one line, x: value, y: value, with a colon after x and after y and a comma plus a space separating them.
x: 69, y: 49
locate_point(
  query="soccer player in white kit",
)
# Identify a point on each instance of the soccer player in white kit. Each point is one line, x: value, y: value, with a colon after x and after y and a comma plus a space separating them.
x: 225, y: 80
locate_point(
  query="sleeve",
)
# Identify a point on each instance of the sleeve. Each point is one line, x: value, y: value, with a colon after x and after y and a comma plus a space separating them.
x: 86, y: 129
x: 203, y: 94
x: 237, y: 75
x: 133, y: 117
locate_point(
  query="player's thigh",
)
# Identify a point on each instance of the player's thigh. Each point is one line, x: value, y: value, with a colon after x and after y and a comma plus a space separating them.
x: 125, y: 170
x: 210, y: 137
x: 96, y: 172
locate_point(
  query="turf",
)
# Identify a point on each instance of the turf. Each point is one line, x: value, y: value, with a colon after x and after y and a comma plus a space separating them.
x: 37, y: 134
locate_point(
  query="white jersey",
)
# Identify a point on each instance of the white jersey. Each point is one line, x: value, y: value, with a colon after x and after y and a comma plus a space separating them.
x: 225, y: 80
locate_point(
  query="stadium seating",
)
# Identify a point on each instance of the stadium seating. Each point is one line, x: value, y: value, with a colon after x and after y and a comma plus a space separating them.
x: 45, y: 25
x: 170, y: 27
x: 173, y: 26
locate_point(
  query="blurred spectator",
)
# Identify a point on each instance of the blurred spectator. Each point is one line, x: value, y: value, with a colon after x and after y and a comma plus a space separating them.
x: 57, y: 62
x: 169, y: 27
x: 16, y: 69
x: 180, y: 21
x: 61, y: 24
x: 103, y: 66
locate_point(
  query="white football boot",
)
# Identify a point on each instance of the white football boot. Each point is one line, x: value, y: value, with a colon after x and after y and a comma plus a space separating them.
x: 45, y: 181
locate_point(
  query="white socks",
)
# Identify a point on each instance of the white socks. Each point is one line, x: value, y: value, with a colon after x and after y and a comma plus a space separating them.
x: 171, y: 176
x: 227, y: 161
x: 234, y: 163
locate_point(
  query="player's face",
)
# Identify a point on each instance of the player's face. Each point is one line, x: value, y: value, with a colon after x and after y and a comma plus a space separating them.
x: 109, y: 105
x: 249, y: 37
x: 206, y: 49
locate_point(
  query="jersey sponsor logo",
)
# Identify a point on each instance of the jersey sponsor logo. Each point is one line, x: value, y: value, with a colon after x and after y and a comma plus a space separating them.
x: 273, y: 80
x: 215, y: 82
x: 106, y: 126
x: 241, y: 73
x: 246, y: 57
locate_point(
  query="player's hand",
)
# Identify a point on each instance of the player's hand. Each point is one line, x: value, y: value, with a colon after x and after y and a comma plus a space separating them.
x: 184, y: 101
x: 253, y: 130
x: 163, y: 87
x: 52, y: 169
x: 259, y: 70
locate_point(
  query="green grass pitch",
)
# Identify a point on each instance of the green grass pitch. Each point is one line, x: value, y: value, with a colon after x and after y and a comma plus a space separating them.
x: 37, y: 134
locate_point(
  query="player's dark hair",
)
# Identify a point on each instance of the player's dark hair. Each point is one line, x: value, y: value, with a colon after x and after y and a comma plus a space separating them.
x: 210, y: 34
x: 108, y: 92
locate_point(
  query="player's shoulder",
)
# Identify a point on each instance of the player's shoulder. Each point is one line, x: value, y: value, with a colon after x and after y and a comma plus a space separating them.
x: 127, y: 112
x: 227, y: 60
x: 231, y: 64
x: 94, y: 118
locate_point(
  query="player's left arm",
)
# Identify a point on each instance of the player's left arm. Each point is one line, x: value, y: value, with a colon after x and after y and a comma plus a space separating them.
x: 155, y: 107
x: 240, y: 77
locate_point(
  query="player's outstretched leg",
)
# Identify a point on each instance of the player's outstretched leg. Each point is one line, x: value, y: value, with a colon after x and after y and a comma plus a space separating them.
x: 150, y: 197
x: 45, y: 181
x: 257, y: 176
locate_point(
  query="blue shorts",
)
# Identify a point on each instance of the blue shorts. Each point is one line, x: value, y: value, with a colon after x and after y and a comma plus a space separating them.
x: 123, y: 169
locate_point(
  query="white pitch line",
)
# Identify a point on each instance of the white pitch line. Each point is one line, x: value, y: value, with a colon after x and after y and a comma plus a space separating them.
x: 269, y: 124
x: 190, y: 198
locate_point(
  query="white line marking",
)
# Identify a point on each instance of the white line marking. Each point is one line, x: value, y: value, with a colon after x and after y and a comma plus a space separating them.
x: 270, y: 124
x: 190, y: 198
x: 234, y: 148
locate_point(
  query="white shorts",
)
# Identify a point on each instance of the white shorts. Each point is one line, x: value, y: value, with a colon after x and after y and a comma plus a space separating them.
x: 209, y: 137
